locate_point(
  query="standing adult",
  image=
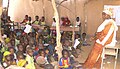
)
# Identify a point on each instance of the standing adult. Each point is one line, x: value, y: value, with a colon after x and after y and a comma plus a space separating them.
x: 106, y: 35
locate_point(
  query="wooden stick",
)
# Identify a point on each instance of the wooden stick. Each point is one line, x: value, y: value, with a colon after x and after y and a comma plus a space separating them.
x: 59, y: 45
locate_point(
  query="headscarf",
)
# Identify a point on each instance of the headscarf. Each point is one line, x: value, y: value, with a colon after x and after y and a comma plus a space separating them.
x: 108, y: 12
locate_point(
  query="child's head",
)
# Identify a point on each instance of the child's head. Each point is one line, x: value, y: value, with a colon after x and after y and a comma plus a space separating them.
x: 52, y: 41
x: 46, y: 51
x: 29, y: 18
x: 77, y: 36
x: 11, y: 50
x: 26, y: 42
x: 83, y: 35
x: 20, y: 47
x: 13, y: 42
x: 40, y: 41
x: 77, y: 19
x: 29, y: 51
x: 41, y: 52
x: 62, y: 18
x: 9, y: 44
x: 26, y: 17
x: 43, y: 19
x: 67, y: 43
x: 65, y: 53
x: 20, y: 56
x: 36, y: 17
x: 8, y: 60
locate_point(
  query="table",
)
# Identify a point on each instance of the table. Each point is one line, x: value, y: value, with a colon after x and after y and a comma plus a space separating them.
x: 62, y: 28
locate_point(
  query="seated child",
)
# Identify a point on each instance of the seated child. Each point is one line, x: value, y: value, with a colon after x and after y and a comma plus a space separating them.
x: 84, y: 40
x: 54, y: 22
x: 25, y: 20
x: 12, y: 51
x: 37, y: 22
x: 40, y: 59
x: 29, y: 58
x: 51, y: 46
x: 51, y: 60
x: 42, y: 21
x: 29, y: 21
x: 20, y: 48
x: 67, y: 45
x: 65, y: 62
x: 21, y: 60
x: 40, y: 44
x: 7, y: 59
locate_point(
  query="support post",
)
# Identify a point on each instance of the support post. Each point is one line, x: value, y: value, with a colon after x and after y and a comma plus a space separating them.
x: 59, y: 45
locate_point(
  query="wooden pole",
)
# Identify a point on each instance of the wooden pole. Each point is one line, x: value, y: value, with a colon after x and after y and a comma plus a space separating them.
x: 59, y: 45
x: 0, y: 22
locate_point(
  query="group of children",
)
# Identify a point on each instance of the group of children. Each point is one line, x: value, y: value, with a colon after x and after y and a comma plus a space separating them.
x: 36, y: 49
x: 64, y: 21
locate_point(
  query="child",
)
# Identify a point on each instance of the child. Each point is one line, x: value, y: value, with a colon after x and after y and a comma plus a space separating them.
x: 46, y: 34
x: 37, y: 22
x: 40, y: 59
x: 21, y: 60
x: 77, y: 41
x: 67, y: 22
x: 29, y: 58
x: 84, y: 40
x: 67, y: 45
x: 25, y: 20
x: 54, y: 22
x: 29, y: 21
x: 51, y: 46
x: 64, y: 62
x: 12, y: 51
x: 43, y: 21
x: 78, y: 23
x: 40, y: 44
x: 7, y: 59
x: 20, y: 48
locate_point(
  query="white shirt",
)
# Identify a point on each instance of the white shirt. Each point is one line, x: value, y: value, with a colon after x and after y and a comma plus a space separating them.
x: 113, y: 28
x: 77, y: 23
x: 54, y: 24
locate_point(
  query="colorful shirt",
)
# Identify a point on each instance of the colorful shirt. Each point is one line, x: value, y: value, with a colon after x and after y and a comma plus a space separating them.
x: 65, y: 63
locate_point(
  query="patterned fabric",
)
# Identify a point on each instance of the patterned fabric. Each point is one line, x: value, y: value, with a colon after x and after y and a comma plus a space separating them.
x: 65, y: 63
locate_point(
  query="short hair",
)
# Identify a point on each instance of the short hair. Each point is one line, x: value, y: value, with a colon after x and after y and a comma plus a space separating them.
x: 77, y: 17
x: 84, y: 34
x: 37, y: 16
x: 40, y: 51
x: 64, y: 50
x: 9, y: 48
x: 43, y: 17
x: 28, y: 49
x: 49, y: 66
x: 26, y: 15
